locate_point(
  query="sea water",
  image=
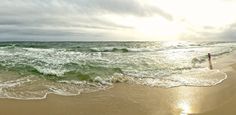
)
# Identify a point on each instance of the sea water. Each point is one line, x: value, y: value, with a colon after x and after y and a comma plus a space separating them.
x: 31, y: 70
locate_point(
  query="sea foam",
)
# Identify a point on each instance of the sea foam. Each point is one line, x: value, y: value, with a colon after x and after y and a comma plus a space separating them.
x: 69, y: 68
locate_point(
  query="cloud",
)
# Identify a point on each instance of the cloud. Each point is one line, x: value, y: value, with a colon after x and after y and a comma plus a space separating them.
x: 229, y: 33
x: 116, y: 19
x: 71, y: 18
x: 78, y: 8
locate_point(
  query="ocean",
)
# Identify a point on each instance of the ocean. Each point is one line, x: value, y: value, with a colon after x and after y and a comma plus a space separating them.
x: 31, y: 70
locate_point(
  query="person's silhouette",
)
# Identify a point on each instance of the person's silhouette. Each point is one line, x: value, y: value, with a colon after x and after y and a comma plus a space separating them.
x: 209, y: 60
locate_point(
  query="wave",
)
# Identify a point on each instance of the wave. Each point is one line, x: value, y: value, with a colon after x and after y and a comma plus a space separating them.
x: 69, y: 71
x: 25, y: 45
x: 32, y: 87
x: 109, y: 50
x: 97, y: 47
x: 74, y: 68
x: 78, y: 48
x: 143, y: 49
x: 203, y: 58
x: 6, y: 45
x: 213, y: 43
x: 195, y: 77
x: 125, y: 50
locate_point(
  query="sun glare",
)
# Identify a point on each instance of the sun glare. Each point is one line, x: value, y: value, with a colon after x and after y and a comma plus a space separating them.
x: 195, y: 12
x: 155, y: 27
x: 150, y: 28
x: 188, y: 20
x: 185, y: 107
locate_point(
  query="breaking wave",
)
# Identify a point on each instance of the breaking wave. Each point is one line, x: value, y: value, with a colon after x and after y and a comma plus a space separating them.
x: 31, y: 70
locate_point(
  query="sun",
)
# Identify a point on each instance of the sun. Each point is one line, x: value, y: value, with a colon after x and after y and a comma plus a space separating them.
x: 149, y: 28
x: 155, y: 27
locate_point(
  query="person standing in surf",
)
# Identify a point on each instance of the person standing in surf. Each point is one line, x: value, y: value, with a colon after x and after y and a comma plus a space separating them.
x: 209, y: 60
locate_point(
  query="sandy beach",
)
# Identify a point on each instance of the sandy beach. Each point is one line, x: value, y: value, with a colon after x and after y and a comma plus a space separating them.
x: 133, y: 99
x: 130, y: 99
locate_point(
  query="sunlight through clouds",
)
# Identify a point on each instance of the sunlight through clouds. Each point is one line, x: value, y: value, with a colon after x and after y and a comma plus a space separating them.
x: 84, y: 20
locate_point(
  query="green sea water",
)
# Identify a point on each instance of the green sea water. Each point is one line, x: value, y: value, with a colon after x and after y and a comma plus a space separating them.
x: 31, y: 70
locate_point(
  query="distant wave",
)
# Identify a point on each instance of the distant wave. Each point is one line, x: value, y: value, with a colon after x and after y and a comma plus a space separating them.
x: 105, y: 48
x: 109, y: 50
x: 203, y: 58
x: 25, y: 45
x: 124, y: 50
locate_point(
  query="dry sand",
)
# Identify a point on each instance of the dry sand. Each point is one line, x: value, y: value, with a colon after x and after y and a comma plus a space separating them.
x: 128, y: 99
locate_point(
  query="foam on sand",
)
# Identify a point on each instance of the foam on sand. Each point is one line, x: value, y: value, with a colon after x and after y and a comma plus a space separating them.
x: 197, y: 78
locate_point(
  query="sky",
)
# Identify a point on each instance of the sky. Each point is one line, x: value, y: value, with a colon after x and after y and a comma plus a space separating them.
x: 117, y: 20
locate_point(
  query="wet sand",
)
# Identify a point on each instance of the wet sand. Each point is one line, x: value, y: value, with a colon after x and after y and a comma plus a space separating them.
x: 129, y: 99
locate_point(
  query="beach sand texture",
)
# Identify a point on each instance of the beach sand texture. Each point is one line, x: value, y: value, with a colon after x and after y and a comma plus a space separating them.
x: 127, y: 99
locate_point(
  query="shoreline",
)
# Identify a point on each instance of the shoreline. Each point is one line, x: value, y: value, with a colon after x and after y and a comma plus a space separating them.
x: 140, y: 100
x: 131, y: 99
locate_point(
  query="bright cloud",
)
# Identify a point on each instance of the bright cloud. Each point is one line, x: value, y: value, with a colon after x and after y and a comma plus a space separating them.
x: 117, y: 20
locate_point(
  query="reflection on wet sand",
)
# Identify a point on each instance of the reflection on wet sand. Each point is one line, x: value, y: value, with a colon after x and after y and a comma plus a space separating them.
x: 185, y: 107
x: 126, y: 99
